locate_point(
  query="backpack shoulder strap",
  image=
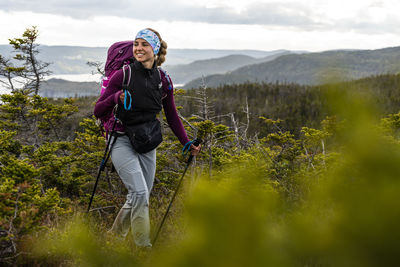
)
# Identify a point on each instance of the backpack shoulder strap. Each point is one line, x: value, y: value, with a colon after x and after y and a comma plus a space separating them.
x: 126, y: 69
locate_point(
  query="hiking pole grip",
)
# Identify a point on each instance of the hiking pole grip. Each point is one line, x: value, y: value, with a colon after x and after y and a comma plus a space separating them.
x: 196, y: 142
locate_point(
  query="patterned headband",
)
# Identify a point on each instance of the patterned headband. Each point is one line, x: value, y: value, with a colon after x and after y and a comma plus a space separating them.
x: 151, y: 38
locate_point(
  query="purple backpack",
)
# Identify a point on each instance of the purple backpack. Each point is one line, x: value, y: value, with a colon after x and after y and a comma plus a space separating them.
x: 118, y: 55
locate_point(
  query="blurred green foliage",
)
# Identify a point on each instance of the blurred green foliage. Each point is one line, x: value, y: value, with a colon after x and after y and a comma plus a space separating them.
x: 336, y: 207
x: 288, y: 194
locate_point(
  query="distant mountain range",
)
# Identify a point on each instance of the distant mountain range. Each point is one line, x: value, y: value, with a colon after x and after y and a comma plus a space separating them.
x: 311, y: 68
x: 186, y: 72
x: 65, y: 59
x: 72, y: 59
x: 226, y: 66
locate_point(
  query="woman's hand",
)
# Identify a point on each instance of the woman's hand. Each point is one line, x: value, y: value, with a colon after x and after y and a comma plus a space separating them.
x: 121, y: 97
x: 195, y: 150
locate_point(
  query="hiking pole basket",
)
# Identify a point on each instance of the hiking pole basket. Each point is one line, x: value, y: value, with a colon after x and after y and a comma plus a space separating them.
x: 196, y: 142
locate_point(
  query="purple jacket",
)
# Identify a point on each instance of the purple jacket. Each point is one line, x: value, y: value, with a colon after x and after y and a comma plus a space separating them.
x: 105, y: 104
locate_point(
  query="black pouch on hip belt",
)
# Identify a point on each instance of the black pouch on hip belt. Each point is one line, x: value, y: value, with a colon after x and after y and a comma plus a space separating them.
x: 145, y: 136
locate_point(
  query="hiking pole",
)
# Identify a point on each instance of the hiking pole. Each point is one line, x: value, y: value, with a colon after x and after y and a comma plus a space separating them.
x: 196, y: 142
x: 106, y: 156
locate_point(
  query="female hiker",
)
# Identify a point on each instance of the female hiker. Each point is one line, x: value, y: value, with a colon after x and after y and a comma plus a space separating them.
x: 142, y: 96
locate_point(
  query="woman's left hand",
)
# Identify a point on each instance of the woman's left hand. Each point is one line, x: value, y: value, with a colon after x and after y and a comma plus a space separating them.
x: 195, y: 150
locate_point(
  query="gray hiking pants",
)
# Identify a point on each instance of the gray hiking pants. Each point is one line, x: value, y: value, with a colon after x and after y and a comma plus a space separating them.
x: 137, y: 172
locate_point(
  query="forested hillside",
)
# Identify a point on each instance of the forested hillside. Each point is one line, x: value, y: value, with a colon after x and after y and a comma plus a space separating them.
x: 312, y: 68
x: 289, y: 175
x: 297, y: 105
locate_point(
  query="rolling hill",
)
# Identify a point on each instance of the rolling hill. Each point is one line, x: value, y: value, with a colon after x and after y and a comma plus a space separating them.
x: 184, y: 73
x: 311, y: 68
x: 72, y: 59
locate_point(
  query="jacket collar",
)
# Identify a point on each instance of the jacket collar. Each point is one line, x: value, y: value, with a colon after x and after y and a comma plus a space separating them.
x: 139, y: 66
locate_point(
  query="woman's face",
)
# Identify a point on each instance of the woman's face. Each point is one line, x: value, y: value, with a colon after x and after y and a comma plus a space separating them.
x: 143, y: 52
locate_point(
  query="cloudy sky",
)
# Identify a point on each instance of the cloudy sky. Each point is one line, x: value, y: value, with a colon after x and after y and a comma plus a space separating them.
x: 313, y: 25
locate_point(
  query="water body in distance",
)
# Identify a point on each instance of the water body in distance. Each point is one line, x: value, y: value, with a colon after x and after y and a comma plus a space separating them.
x: 67, y: 77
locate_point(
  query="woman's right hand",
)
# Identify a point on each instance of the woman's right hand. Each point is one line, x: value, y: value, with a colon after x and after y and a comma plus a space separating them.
x: 195, y: 150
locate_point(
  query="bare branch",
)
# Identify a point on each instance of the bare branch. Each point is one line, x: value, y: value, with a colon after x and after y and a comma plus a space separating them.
x: 246, y: 111
x: 103, y: 208
x: 190, y: 125
x: 235, y: 128
x: 308, y: 156
x: 98, y: 65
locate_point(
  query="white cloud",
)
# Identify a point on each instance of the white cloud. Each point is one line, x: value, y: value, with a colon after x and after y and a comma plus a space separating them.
x: 312, y: 25
x: 298, y: 14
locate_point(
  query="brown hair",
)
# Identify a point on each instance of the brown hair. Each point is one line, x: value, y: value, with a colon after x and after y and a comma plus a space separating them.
x: 160, y: 57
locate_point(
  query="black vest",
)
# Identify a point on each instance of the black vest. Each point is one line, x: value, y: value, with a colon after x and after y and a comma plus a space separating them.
x: 145, y: 88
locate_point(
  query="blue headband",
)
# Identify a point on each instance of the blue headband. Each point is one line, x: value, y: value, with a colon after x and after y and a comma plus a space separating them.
x: 151, y: 38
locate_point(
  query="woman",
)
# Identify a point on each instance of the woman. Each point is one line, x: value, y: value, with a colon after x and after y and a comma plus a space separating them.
x: 137, y: 170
